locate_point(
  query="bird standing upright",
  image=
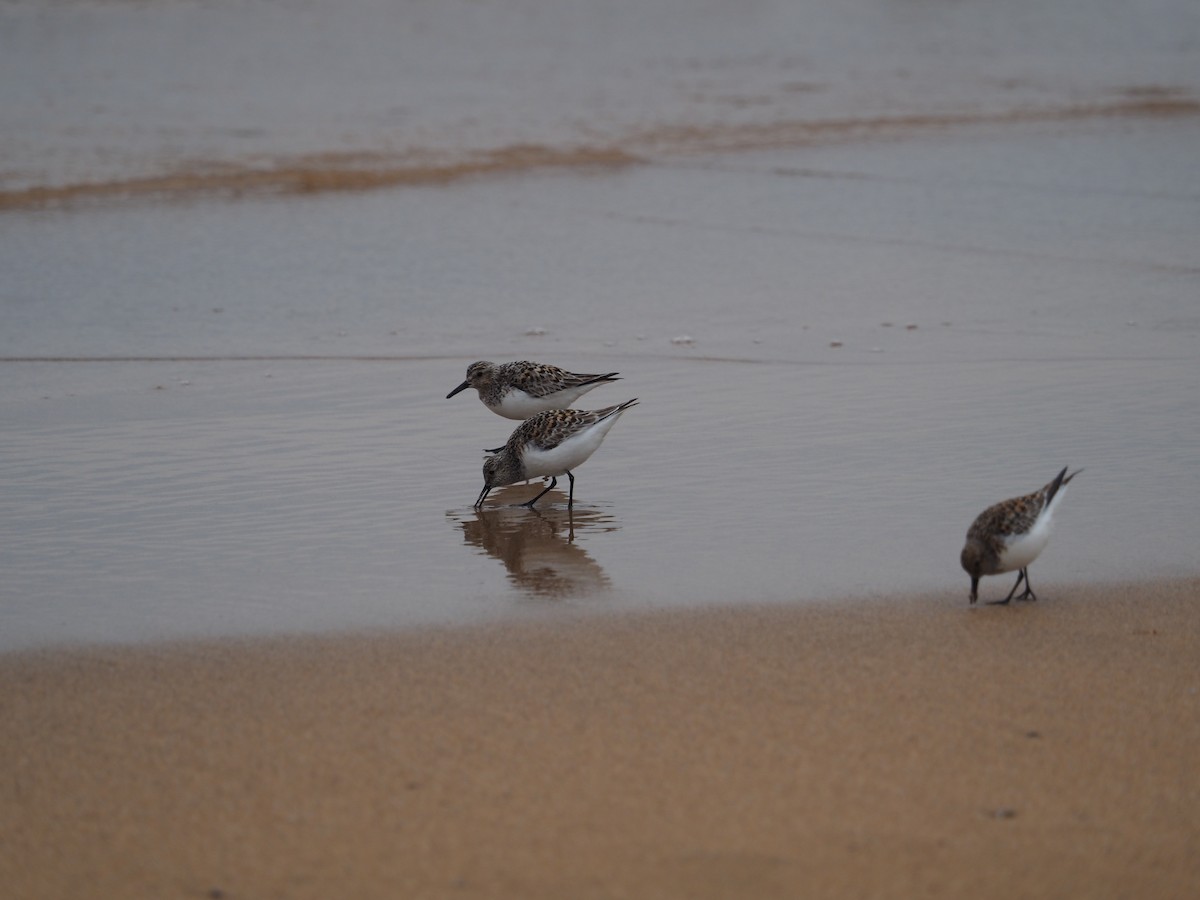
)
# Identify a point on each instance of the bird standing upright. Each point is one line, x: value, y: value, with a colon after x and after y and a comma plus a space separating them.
x: 518, y: 390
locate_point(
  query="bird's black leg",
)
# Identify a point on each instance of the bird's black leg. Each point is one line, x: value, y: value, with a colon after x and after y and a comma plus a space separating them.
x: 1020, y: 578
x: 550, y: 487
x: 571, y: 494
x: 1028, y: 593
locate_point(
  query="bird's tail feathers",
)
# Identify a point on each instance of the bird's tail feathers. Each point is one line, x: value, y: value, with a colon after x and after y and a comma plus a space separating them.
x: 1061, y: 480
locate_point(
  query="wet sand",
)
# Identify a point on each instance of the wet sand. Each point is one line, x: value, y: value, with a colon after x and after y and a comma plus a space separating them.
x: 904, y: 746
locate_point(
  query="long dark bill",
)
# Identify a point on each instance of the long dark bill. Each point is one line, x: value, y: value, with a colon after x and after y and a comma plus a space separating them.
x: 461, y: 387
x: 482, y: 495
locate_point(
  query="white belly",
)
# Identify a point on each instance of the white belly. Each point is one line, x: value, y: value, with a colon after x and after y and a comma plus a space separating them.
x: 517, y: 404
x: 569, y: 454
x: 1022, y: 549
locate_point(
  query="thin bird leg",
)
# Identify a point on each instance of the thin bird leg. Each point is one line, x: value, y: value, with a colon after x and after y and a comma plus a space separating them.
x: 1020, y: 578
x: 571, y: 495
x: 550, y: 487
x: 1028, y: 593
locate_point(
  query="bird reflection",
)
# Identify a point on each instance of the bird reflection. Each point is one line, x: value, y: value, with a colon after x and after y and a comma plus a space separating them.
x: 537, y: 545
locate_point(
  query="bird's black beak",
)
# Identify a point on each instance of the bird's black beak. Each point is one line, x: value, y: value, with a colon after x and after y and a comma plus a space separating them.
x: 974, y: 589
x: 461, y: 387
x: 482, y: 495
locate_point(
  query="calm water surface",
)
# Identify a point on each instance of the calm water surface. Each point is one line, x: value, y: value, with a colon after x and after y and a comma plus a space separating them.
x: 337, y: 494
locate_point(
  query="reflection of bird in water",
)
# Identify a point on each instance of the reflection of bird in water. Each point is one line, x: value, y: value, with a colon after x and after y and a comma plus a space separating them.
x: 537, y: 549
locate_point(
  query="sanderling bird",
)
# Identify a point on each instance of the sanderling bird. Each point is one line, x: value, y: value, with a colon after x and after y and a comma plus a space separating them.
x: 519, y: 390
x: 552, y: 443
x: 1011, y: 534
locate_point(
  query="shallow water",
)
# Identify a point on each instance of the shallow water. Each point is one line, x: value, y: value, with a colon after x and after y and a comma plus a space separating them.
x: 337, y: 495
x: 228, y: 417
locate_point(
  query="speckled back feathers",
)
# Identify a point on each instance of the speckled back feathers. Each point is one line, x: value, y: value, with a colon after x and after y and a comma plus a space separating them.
x: 537, y: 380
x: 547, y: 430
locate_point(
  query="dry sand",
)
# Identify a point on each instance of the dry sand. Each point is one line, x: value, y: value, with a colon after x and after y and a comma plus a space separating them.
x: 896, y: 747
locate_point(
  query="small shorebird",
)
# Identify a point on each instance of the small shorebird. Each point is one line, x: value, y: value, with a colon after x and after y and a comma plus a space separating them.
x: 518, y: 390
x: 1011, y: 534
x: 552, y: 443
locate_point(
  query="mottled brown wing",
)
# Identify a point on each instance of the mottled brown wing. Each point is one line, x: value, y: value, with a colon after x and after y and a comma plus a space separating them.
x: 548, y: 429
x: 1014, y: 516
x: 539, y: 380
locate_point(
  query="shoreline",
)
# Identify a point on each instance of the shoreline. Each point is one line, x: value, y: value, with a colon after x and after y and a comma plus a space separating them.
x: 364, y: 170
x: 890, y: 747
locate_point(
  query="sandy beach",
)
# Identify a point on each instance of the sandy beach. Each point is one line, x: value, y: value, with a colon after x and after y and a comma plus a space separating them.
x: 896, y: 747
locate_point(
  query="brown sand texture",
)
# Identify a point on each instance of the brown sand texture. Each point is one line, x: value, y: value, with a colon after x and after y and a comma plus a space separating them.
x: 891, y: 747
